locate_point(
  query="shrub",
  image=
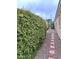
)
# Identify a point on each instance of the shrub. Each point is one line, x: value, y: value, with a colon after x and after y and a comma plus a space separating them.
x: 31, y: 30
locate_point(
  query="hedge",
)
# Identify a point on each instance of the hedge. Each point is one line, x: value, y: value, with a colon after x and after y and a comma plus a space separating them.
x: 31, y: 31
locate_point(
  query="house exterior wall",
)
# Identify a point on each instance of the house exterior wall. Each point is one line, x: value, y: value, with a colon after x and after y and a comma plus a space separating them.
x: 57, y: 22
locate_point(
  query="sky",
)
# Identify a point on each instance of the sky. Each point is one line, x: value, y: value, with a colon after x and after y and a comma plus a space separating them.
x: 44, y: 8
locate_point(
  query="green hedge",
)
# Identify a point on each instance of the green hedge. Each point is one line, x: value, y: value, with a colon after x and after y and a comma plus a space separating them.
x: 31, y: 30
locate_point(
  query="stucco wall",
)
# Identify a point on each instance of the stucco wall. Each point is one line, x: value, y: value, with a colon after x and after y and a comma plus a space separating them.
x: 57, y: 21
x: 58, y: 25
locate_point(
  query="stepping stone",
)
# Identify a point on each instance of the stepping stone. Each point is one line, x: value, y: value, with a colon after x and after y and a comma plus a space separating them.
x: 51, y: 51
x: 51, y: 42
x: 50, y: 58
x: 52, y: 46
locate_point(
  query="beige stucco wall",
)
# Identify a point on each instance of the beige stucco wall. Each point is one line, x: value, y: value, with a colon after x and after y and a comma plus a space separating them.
x: 58, y: 26
x: 57, y: 22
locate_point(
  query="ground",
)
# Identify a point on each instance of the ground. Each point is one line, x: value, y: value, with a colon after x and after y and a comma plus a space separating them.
x: 51, y: 48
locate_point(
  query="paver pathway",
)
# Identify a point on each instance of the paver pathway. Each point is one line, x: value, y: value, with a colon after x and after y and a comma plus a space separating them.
x: 51, y: 48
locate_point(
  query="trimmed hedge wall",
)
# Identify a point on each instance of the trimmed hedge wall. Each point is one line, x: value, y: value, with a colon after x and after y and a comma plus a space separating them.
x: 31, y: 31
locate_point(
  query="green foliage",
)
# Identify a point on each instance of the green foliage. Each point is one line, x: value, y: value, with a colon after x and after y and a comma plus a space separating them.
x: 49, y: 22
x: 31, y: 31
x: 52, y: 25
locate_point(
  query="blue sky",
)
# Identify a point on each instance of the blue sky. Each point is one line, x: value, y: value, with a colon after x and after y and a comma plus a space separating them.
x: 43, y: 8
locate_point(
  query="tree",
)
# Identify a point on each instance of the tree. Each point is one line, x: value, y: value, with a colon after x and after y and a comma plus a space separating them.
x: 49, y: 22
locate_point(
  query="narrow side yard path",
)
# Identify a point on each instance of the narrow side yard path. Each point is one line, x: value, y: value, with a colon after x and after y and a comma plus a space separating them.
x: 51, y: 48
